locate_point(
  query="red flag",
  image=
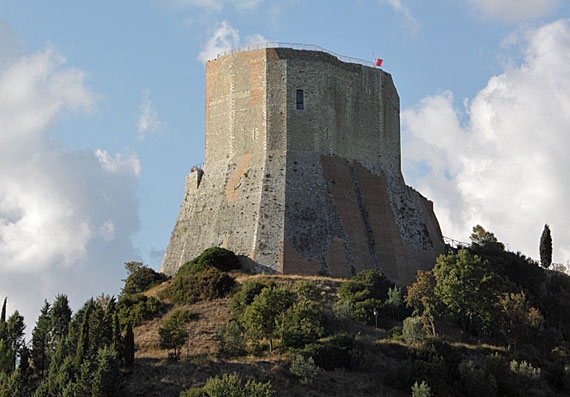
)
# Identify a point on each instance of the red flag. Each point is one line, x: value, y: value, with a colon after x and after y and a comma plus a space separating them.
x: 379, y: 62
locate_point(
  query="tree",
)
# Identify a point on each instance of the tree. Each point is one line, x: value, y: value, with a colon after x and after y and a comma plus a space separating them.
x: 173, y: 333
x: 107, y: 376
x: 468, y: 288
x: 3, y: 315
x: 83, y: 342
x: 546, y: 248
x: 394, y: 300
x: 60, y: 315
x: 518, y: 320
x: 421, y: 297
x: 481, y: 238
x: 15, y: 335
x: 140, y: 278
x: 41, y: 340
x: 129, y: 346
x: 266, y: 314
x: 412, y: 330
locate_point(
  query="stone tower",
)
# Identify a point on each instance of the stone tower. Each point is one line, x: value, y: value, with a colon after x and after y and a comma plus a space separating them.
x: 302, y: 171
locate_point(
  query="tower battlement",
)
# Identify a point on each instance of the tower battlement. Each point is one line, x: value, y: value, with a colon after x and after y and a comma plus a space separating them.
x: 302, y: 170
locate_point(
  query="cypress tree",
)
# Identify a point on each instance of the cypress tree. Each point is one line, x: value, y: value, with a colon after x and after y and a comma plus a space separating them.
x: 83, y: 343
x: 15, y: 335
x: 546, y: 247
x: 129, y: 346
x: 41, y: 340
x: 3, y: 316
x: 107, y: 376
x: 60, y: 315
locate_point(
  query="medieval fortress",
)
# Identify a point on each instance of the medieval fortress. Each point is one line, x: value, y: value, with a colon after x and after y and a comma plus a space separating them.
x: 302, y: 171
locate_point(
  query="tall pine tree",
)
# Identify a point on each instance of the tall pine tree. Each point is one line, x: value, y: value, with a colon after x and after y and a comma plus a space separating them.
x: 546, y: 247
x: 41, y: 340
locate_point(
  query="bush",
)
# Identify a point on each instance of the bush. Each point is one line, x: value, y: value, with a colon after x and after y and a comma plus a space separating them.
x: 367, y: 292
x: 231, y: 340
x: 476, y: 379
x: 421, y: 390
x: 305, y: 369
x: 302, y: 324
x: 525, y: 374
x: 220, y: 258
x: 173, y: 333
x: 137, y: 309
x: 331, y: 353
x: 245, y: 295
x: 413, y: 331
x: 231, y: 386
x: 209, y: 284
x: 140, y: 278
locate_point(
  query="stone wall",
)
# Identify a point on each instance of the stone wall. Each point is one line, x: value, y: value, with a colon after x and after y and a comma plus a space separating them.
x: 304, y: 191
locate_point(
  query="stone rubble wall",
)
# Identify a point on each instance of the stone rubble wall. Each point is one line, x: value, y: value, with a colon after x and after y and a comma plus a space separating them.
x: 309, y: 191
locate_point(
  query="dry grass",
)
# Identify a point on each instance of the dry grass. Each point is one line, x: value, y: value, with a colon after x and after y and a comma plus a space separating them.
x: 154, y: 375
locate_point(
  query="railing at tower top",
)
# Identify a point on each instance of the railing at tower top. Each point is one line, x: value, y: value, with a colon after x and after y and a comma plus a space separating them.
x: 295, y: 46
x: 455, y: 243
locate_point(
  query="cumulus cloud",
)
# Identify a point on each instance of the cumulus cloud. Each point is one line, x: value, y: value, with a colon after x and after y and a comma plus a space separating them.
x: 148, y: 119
x: 225, y: 38
x: 66, y: 217
x: 506, y: 167
x: 510, y: 11
x: 400, y: 8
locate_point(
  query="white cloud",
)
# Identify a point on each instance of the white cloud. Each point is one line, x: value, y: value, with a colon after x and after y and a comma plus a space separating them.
x: 66, y: 217
x: 511, y: 11
x: 507, y: 168
x: 148, y: 120
x: 402, y: 9
x: 118, y: 164
x: 224, y: 38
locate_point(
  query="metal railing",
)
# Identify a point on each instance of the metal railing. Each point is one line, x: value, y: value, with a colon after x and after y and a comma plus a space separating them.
x: 199, y: 166
x: 295, y: 46
x: 455, y: 243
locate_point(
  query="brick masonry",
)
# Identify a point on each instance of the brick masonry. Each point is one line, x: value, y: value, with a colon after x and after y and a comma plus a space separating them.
x: 317, y: 190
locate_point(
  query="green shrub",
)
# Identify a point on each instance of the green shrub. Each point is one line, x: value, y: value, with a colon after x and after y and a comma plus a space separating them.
x: 231, y: 340
x: 137, y: 309
x: 526, y: 375
x: 331, y: 353
x: 140, y: 278
x: 307, y: 290
x: 367, y: 292
x: 413, y: 331
x: 421, y: 390
x: 343, y: 310
x: 220, y: 258
x: 476, y: 380
x: 230, y: 386
x: 173, y: 333
x: 209, y: 284
x: 302, y: 324
x: 245, y: 295
x: 305, y: 369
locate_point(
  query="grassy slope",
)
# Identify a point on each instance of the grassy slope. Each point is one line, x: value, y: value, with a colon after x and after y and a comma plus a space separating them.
x: 154, y: 375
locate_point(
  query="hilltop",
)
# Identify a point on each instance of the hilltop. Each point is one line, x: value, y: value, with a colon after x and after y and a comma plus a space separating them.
x: 484, y: 321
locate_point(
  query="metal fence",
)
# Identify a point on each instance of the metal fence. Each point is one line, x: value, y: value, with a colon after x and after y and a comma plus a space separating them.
x: 295, y: 46
x: 455, y: 243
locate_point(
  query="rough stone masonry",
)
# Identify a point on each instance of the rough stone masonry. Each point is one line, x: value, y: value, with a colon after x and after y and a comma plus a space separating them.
x: 302, y: 171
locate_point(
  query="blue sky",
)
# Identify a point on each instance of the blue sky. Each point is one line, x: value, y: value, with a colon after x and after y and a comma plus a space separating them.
x: 102, y: 116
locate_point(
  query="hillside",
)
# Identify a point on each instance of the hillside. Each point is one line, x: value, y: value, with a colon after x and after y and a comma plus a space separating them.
x: 483, y: 322
x: 154, y: 375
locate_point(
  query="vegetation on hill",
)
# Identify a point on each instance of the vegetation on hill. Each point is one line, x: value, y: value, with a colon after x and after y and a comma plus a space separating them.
x: 483, y: 321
